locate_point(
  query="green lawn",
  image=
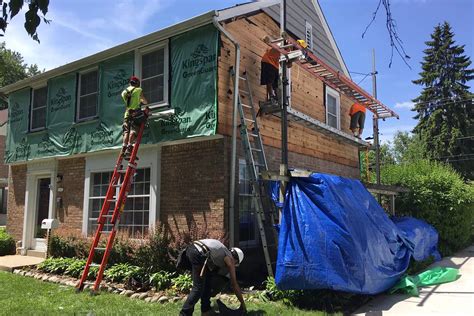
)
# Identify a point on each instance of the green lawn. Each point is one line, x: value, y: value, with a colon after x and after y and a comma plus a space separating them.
x: 21, y: 295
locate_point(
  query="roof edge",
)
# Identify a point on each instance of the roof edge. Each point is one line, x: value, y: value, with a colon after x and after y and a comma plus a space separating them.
x: 162, y: 34
x: 243, y: 9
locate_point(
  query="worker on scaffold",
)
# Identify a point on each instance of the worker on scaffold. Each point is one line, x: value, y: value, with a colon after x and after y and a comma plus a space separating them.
x: 270, y: 67
x: 133, y: 98
x: 357, y: 114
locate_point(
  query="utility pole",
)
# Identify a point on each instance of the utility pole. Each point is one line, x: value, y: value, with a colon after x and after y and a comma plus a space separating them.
x: 376, y: 124
x: 284, y: 105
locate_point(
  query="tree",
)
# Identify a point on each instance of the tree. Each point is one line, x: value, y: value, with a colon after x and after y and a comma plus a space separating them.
x: 444, y: 108
x: 406, y: 148
x: 32, y: 19
x: 13, y: 68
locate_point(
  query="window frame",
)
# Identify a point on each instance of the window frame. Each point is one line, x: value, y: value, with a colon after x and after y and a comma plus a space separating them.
x: 328, y: 91
x: 78, y: 94
x: 32, y: 100
x: 309, y: 41
x: 138, y: 70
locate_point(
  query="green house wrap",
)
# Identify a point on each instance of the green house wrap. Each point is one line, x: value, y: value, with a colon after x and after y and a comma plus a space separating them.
x: 192, y: 89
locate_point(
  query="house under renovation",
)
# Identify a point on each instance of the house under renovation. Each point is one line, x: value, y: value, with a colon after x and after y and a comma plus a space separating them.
x: 64, y: 126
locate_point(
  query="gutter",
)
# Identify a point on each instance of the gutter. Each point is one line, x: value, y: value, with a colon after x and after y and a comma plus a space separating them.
x: 233, y: 163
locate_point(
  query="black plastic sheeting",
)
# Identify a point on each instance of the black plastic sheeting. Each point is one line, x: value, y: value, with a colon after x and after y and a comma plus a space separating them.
x: 334, y: 235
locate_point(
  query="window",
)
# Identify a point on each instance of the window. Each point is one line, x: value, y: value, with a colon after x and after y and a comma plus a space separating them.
x: 88, y: 92
x: 154, y: 73
x: 248, y: 222
x: 38, y: 109
x: 333, y: 115
x: 135, y: 217
x: 309, y: 35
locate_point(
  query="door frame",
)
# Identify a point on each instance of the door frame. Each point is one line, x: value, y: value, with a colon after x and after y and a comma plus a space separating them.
x: 36, y: 171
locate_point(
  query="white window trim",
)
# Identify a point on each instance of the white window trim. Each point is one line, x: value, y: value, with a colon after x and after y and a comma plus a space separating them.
x: 31, y: 108
x: 149, y: 158
x: 78, y: 94
x: 138, y: 70
x: 330, y: 91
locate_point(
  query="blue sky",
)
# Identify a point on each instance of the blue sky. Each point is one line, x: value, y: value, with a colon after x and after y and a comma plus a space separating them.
x: 83, y: 27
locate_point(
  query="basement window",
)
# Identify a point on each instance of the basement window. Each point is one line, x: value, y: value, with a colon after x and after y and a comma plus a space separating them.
x: 135, y: 217
x: 333, y: 108
x: 247, y: 215
x: 38, y: 109
x: 153, y: 65
x: 88, y: 95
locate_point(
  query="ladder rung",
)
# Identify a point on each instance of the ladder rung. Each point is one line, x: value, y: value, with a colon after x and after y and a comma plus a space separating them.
x: 112, y: 200
x: 122, y: 171
x: 245, y: 92
x: 100, y: 248
x: 117, y: 185
x: 255, y: 149
x: 246, y: 106
x: 242, y: 78
x: 106, y: 232
x: 247, y: 119
x: 253, y: 135
x: 107, y: 215
x: 94, y: 264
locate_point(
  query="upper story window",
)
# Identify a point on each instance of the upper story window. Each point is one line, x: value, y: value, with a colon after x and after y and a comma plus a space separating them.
x: 38, y: 109
x: 88, y: 95
x: 154, y: 74
x: 333, y: 108
x: 309, y: 35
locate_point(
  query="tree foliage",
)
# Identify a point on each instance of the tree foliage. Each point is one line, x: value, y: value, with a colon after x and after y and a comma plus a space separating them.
x: 444, y: 108
x: 13, y: 68
x: 33, y: 17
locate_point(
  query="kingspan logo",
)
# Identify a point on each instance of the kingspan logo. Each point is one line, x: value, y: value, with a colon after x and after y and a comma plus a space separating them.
x: 201, y: 61
x: 102, y: 135
x: 16, y: 113
x: 117, y: 83
x: 61, y: 101
x: 46, y: 146
x: 177, y: 119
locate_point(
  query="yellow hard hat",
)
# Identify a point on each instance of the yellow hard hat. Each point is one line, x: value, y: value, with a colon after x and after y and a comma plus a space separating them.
x: 302, y: 43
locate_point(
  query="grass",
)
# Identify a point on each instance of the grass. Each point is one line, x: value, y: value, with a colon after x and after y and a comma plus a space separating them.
x: 21, y: 295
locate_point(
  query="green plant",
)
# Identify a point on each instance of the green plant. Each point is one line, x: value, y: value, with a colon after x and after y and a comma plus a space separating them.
x: 7, y: 244
x: 161, y: 280
x: 155, y: 253
x: 439, y: 196
x: 75, y: 268
x: 120, y: 272
x: 182, y: 283
x: 67, y: 243
x: 56, y: 265
x: 275, y: 294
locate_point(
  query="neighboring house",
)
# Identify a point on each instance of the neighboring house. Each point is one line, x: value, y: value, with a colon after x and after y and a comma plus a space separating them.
x: 65, y: 127
x: 3, y: 168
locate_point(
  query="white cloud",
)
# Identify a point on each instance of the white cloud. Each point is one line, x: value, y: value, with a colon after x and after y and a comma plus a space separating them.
x: 404, y: 105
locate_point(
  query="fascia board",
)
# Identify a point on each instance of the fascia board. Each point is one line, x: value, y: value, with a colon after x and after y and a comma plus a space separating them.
x: 245, y: 9
x: 160, y: 35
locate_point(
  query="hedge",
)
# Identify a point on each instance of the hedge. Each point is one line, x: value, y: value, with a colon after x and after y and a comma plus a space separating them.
x: 437, y: 195
x: 7, y: 243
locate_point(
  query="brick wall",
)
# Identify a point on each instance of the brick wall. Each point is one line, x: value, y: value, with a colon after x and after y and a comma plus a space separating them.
x: 70, y: 214
x: 16, y: 201
x: 194, y: 186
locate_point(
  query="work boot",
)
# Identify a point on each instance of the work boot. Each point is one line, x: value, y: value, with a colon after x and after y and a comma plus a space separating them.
x: 128, y: 152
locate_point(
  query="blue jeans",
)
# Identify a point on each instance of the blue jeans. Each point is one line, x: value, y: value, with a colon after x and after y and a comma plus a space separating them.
x: 201, y: 286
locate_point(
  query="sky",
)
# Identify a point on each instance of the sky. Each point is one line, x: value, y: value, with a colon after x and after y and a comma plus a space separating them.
x: 83, y: 27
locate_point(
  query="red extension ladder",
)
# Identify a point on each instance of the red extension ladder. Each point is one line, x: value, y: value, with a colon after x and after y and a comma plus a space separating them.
x: 121, y: 181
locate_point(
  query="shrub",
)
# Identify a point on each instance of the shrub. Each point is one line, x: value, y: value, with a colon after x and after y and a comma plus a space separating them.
x: 7, y: 244
x: 56, y: 265
x: 439, y: 196
x: 182, y: 283
x: 155, y: 253
x: 120, y: 272
x: 68, y: 243
x: 161, y: 280
x: 76, y: 268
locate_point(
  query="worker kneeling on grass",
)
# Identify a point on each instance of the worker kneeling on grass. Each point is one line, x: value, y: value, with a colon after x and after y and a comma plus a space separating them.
x: 357, y: 114
x: 133, y: 98
x: 207, y: 258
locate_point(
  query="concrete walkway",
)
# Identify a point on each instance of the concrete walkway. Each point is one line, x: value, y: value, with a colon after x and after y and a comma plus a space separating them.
x: 453, y: 299
x: 9, y: 263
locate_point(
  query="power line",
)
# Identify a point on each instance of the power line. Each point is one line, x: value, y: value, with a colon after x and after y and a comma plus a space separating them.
x: 359, y: 73
x: 363, y: 79
x: 444, y: 101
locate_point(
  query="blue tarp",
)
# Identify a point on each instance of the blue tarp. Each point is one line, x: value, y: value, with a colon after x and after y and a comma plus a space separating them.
x: 334, y: 235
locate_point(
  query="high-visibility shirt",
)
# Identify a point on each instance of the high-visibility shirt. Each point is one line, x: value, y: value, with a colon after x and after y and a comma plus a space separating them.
x: 134, y: 98
x: 272, y: 57
x: 356, y: 107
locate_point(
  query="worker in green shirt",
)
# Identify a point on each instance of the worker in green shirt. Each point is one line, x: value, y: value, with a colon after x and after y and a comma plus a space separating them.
x: 133, y: 98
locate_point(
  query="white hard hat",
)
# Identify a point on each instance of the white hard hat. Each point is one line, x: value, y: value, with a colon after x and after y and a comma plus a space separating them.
x: 239, y: 253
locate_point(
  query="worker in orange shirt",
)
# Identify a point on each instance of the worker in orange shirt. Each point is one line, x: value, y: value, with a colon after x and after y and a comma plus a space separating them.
x: 357, y: 114
x: 269, y: 74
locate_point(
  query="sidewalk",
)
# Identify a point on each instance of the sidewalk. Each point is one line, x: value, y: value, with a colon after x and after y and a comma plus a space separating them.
x: 9, y: 263
x: 455, y: 298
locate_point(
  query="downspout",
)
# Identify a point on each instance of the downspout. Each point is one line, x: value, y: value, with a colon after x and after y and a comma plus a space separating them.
x: 234, y: 131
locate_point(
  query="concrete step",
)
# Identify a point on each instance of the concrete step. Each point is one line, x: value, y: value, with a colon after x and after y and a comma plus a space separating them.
x: 36, y: 253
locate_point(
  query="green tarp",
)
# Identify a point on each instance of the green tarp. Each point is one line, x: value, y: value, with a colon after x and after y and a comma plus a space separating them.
x: 410, y: 284
x: 193, y: 95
